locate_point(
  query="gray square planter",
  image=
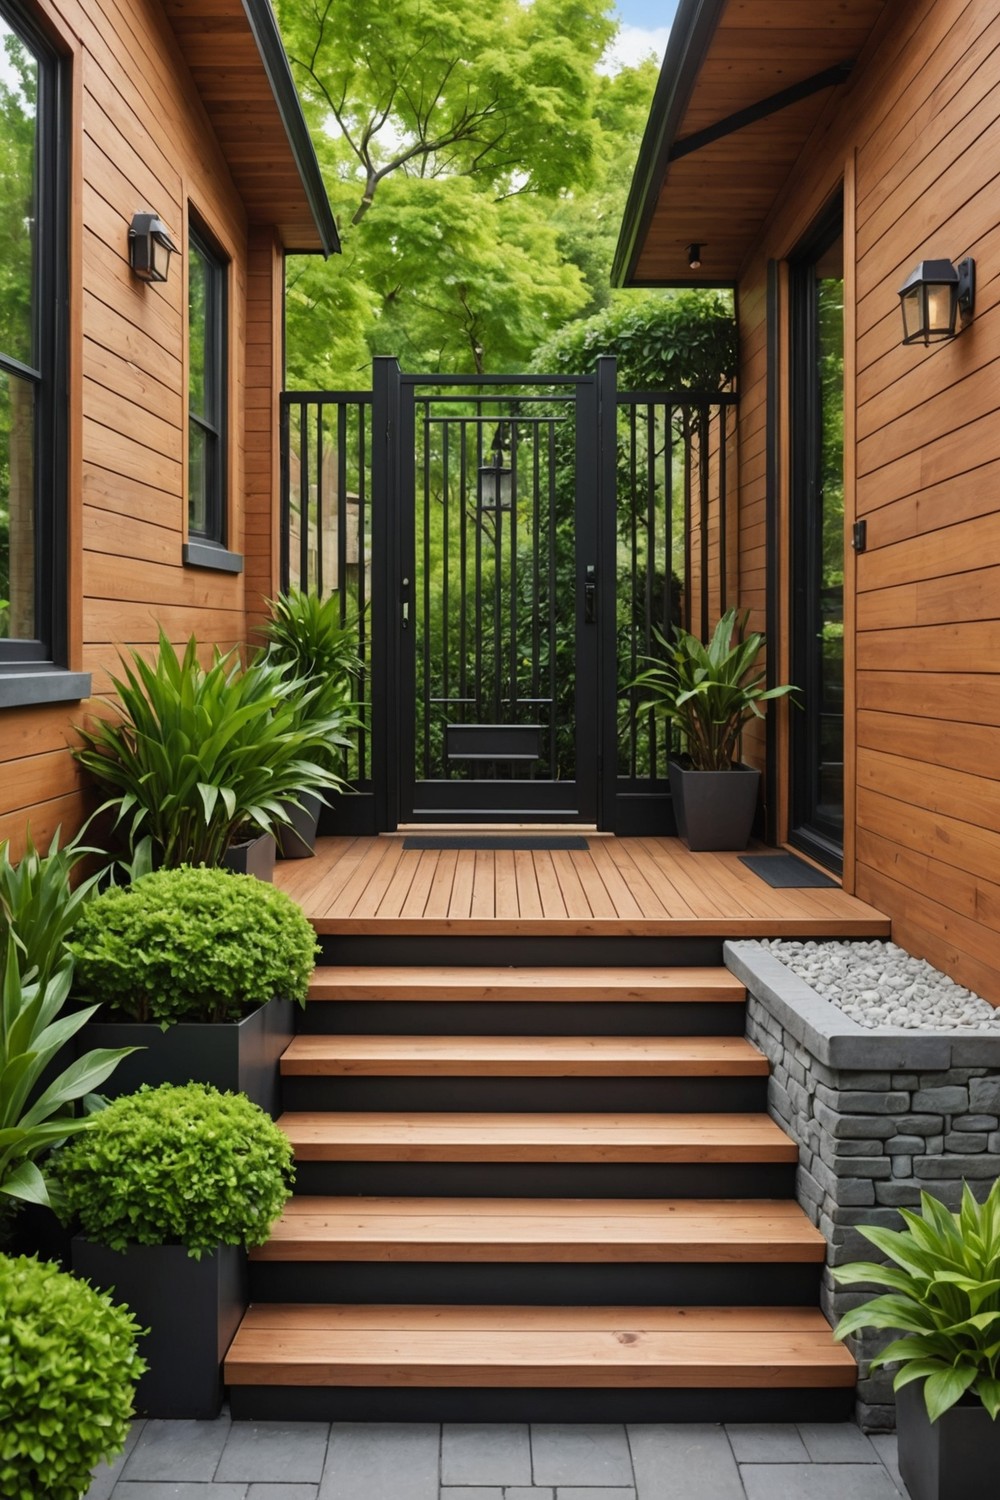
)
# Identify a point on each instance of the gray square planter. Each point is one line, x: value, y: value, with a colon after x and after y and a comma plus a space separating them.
x: 192, y: 1309
x: 714, y: 809
x: 955, y: 1458
x: 236, y: 1056
x: 253, y: 858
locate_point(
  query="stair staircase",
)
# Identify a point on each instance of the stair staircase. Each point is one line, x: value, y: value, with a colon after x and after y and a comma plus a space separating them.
x: 535, y: 1194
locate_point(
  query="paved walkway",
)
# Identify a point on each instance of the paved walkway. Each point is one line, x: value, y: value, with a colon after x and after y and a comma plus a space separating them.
x: 314, y: 1461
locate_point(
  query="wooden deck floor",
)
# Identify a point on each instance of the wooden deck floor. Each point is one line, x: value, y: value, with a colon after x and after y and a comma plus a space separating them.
x: 628, y: 887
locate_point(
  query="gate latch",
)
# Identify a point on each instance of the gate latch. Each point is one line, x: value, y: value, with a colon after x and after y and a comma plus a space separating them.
x: 406, y: 604
x: 589, y: 594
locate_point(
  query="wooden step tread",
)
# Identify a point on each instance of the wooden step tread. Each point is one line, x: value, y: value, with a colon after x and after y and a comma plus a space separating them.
x: 722, y: 1347
x: 547, y: 1229
x: 441, y: 1136
x: 518, y: 1056
x: 604, y: 984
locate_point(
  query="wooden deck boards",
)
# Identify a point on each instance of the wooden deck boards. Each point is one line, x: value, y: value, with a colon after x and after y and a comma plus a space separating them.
x: 630, y: 887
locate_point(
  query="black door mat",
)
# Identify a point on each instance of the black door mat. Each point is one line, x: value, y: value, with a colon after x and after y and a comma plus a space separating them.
x: 494, y: 841
x: 785, y: 870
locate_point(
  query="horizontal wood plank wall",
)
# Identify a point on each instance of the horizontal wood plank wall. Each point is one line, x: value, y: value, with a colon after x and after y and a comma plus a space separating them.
x: 921, y: 122
x: 265, y: 298
x: 140, y: 139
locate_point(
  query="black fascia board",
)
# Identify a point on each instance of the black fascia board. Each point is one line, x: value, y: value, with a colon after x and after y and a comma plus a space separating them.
x: 275, y: 59
x: 829, y: 78
x: 690, y: 37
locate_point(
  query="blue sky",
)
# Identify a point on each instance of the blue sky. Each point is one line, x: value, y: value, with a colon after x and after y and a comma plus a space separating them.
x: 645, y: 28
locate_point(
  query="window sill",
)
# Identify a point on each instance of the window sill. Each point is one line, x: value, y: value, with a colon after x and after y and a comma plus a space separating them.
x: 211, y: 555
x: 21, y: 686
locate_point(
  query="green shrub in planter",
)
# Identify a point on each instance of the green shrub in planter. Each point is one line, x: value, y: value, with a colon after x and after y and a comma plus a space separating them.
x: 177, y: 1165
x: 192, y: 945
x: 68, y: 1367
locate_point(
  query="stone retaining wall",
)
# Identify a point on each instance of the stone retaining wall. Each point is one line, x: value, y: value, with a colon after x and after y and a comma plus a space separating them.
x: 878, y: 1117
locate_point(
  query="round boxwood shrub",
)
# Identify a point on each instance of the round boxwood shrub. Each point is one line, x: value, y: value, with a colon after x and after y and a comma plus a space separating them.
x: 179, y: 1164
x: 192, y: 945
x: 68, y: 1368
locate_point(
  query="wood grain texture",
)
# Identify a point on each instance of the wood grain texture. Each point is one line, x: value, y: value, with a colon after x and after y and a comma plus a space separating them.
x: 519, y: 1057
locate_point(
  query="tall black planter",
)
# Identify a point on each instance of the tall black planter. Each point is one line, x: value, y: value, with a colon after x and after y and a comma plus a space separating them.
x: 255, y: 857
x: 955, y: 1458
x: 192, y: 1309
x: 714, y: 809
x: 236, y: 1056
x: 297, y: 837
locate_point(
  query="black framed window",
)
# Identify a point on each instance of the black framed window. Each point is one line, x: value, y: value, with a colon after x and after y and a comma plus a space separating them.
x: 208, y: 384
x: 33, y: 398
x: 817, y: 515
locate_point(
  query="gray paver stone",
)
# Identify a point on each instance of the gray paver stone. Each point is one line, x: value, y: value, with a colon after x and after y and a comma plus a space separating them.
x: 837, y: 1443
x: 885, y: 1446
x: 382, y: 1461
x: 496, y: 1453
x: 592, y: 1454
x: 766, y: 1443
x: 684, y: 1461
x: 281, y: 1492
x: 580, y: 1492
x: 164, y: 1489
x: 106, y: 1475
x: 279, y: 1452
x: 817, y: 1482
x: 184, y: 1450
x: 520, y: 1492
x: 472, y: 1492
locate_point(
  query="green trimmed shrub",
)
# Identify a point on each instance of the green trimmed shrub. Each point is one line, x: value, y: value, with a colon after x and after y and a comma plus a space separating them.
x: 177, y: 1164
x: 192, y: 945
x: 68, y: 1367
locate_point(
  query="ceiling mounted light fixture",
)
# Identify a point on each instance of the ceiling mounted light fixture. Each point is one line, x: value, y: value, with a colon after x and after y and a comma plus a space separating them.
x: 694, y: 256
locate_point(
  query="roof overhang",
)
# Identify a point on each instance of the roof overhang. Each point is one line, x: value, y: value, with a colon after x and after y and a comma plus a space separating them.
x: 743, y: 84
x: 234, y: 51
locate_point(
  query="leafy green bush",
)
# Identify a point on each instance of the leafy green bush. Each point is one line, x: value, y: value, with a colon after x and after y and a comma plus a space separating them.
x: 68, y: 1367
x: 318, y: 652
x: 38, y: 903
x: 176, y: 1164
x: 192, y: 945
x: 944, y: 1297
x: 34, y: 1118
x: 191, y: 753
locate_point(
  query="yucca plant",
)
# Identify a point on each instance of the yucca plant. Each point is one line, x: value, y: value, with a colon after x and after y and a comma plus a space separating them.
x: 307, y: 638
x: 39, y: 903
x: 191, y: 754
x: 709, y: 692
x: 944, y: 1298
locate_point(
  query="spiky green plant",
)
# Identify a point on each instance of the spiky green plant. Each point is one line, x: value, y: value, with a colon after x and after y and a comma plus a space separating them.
x: 39, y: 903
x: 944, y: 1298
x: 191, y: 754
x: 306, y: 636
x: 709, y: 692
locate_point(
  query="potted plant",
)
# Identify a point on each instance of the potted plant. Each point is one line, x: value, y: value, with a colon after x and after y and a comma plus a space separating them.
x: 68, y: 1368
x: 201, y: 969
x: 306, y: 638
x: 175, y: 1183
x: 944, y: 1298
x: 192, y: 754
x: 709, y: 693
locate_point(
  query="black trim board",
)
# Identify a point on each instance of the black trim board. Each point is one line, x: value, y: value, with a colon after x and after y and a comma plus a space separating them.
x: 202, y: 554
x: 827, y: 79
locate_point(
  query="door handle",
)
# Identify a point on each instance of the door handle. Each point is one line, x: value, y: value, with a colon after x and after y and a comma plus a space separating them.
x: 589, y: 594
x: 405, y: 615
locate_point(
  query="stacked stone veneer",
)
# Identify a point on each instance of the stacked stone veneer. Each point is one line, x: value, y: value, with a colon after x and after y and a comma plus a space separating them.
x: 877, y: 1116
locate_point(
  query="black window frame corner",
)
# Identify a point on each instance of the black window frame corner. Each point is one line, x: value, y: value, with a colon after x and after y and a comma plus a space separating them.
x: 215, y: 537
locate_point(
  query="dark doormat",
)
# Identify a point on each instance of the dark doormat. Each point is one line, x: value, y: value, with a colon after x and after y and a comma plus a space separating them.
x: 494, y: 841
x: 785, y: 870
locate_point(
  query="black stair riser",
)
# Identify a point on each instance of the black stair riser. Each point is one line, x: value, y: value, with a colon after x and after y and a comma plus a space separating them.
x: 449, y: 950
x: 546, y: 1179
x: 490, y: 1404
x: 521, y: 1018
x: 526, y: 1095
x: 537, y: 1284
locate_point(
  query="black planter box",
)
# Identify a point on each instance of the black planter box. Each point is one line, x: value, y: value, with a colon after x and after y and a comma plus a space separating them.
x: 192, y: 1309
x: 955, y: 1458
x: 714, y: 809
x: 235, y: 1056
x: 255, y: 857
x: 297, y: 837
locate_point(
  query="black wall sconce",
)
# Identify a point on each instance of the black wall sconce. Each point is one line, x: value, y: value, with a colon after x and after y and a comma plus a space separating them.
x: 933, y: 297
x: 495, y: 487
x: 149, y: 247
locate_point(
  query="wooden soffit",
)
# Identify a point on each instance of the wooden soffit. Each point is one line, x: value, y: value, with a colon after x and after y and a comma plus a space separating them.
x: 234, y: 51
x: 742, y: 86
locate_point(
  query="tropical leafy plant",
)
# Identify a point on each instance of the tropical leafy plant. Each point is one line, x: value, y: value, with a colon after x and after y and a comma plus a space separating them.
x: 306, y: 639
x: 944, y: 1297
x: 709, y: 692
x: 35, y: 1116
x: 192, y: 944
x: 192, y: 754
x: 68, y: 1368
x: 178, y: 1163
x: 39, y: 903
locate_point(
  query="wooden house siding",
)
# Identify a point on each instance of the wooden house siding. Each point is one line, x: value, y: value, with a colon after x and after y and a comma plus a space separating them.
x: 915, y: 141
x: 141, y: 138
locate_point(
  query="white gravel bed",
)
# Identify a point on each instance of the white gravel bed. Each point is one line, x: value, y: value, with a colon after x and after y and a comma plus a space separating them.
x: 880, y: 985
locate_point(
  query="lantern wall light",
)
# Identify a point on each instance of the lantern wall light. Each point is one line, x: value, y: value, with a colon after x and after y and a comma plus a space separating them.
x: 934, y: 297
x: 495, y: 479
x: 149, y: 247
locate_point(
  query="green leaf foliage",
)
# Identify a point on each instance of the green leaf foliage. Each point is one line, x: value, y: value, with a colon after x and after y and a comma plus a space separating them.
x: 709, y: 692
x: 944, y: 1281
x: 192, y: 945
x: 307, y: 640
x: 68, y: 1368
x: 192, y: 753
x: 178, y: 1164
x: 39, y: 903
x: 36, y: 1112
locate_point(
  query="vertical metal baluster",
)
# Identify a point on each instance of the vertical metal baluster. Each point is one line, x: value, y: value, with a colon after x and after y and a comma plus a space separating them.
x: 650, y: 559
x: 342, y: 508
x: 633, y: 501
x: 304, y: 497
x: 364, y: 768
x: 669, y: 603
x: 722, y: 412
x: 688, y: 619
x: 552, y: 595
x: 497, y: 604
x: 425, y: 624
x: 478, y: 617
x: 463, y: 557
x: 535, y: 559
x: 703, y: 511
x: 445, y: 527
x: 514, y: 716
